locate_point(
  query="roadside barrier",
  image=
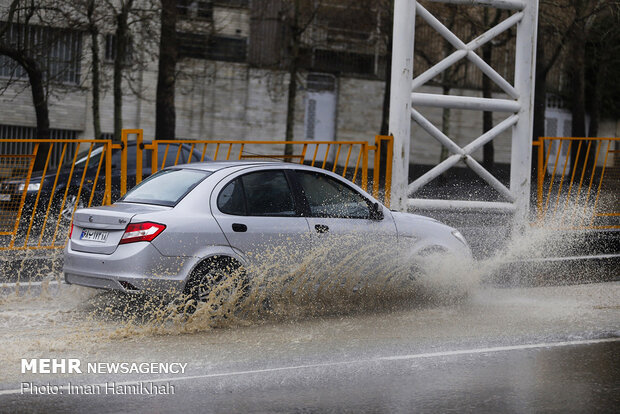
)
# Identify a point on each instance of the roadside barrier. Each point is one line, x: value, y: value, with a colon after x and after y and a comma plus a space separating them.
x: 36, y: 207
x: 578, y: 183
x: 350, y: 159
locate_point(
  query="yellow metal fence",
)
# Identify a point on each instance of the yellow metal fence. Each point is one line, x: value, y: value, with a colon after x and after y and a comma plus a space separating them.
x: 578, y: 183
x: 36, y: 207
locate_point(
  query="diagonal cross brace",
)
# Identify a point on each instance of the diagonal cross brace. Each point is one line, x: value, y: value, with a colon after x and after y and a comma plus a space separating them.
x: 466, y: 50
x: 462, y: 154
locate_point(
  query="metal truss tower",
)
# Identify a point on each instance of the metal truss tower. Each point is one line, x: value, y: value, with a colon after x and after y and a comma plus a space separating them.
x: 518, y: 105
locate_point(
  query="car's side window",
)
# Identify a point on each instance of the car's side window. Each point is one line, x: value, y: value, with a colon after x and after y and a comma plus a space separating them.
x: 267, y: 193
x: 329, y: 198
x: 231, y: 199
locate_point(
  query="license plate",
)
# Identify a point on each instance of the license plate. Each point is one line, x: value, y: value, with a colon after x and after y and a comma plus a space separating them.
x: 94, y: 235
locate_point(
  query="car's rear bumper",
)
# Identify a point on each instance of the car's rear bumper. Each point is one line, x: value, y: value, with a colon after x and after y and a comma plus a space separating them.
x: 136, y: 267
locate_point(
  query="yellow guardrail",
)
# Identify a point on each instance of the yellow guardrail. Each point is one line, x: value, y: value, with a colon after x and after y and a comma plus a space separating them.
x: 36, y: 208
x: 348, y: 158
x: 578, y: 182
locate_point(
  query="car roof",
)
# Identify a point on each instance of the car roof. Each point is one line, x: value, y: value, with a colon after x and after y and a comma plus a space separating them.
x: 220, y: 165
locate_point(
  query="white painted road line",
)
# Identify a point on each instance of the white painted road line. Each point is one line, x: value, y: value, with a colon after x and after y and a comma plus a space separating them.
x: 26, y: 284
x: 569, y: 258
x: 352, y: 362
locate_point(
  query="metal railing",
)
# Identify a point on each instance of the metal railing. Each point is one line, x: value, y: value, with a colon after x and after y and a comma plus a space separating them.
x: 578, y: 183
x: 347, y: 158
x: 36, y: 207
x: 36, y: 210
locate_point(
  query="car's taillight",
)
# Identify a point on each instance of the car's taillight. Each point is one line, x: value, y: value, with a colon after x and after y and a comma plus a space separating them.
x: 136, y: 232
x: 71, y: 231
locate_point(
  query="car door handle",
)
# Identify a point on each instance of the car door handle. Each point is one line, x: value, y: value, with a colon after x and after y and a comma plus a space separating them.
x: 321, y: 228
x: 239, y: 228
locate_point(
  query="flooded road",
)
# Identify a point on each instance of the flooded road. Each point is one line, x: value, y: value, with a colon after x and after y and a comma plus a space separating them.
x: 501, y: 349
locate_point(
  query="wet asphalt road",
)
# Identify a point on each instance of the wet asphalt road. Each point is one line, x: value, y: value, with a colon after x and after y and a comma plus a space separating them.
x: 577, y: 378
x: 552, y: 349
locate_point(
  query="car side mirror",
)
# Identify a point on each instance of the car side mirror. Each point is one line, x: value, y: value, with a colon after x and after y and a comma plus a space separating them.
x: 376, y: 212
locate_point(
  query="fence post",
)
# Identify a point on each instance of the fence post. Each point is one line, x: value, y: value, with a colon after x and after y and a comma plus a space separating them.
x: 139, y: 160
x: 376, y: 168
x: 541, y: 176
x: 107, y: 199
x: 365, y: 150
x: 154, y: 153
x: 124, y: 133
x: 33, y: 158
x: 388, y: 170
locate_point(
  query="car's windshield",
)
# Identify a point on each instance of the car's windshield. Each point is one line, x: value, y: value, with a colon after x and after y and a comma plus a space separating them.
x: 166, y: 187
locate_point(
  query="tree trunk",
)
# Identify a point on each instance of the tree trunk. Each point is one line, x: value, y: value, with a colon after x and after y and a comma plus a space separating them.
x: 488, y: 151
x: 119, y: 62
x: 540, y: 93
x: 94, y: 48
x: 578, y: 101
x: 594, y: 100
x: 39, y: 99
x: 540, y: 104
x: 295, y: 39
x: 385, y: 116
x: 445, y: 125
x: 290, y: 107
x: 165, y: 122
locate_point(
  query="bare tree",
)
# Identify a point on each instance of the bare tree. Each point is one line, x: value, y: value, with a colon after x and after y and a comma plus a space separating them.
x: 431, y: 52
x: 565, y: 27
x: 489, y: 18
x: 122, y: 39
x: 165, y: 121
x: 88, y: 16
x: 298, y: 15
x: 23, y: 49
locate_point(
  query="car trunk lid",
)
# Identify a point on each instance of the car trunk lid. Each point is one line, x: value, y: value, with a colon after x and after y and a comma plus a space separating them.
x: 99, y: 229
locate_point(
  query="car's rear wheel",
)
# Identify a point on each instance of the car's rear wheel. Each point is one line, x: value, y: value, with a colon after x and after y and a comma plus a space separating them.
x: 220, y: 284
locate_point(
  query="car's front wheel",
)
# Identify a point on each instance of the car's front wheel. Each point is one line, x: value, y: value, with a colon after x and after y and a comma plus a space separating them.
x: 442, y: 274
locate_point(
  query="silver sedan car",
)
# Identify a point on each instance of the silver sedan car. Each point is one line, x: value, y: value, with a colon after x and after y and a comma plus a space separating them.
x: 185, y: 226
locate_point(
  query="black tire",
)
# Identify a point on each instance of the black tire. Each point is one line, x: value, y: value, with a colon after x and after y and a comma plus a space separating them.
x: 216, y: 282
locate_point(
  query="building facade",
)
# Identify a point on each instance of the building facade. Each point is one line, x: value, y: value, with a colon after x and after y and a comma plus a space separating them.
x: 233, y: 77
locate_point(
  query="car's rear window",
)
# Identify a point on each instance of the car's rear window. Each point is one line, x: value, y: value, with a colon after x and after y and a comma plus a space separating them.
x: 166, y: 187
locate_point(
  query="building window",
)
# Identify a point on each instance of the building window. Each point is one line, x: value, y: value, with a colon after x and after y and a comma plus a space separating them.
x: 232, y: 3
x: 16, y: 132
x: 332, y: 61
x: 192, y: 9
x: 318, y: 82
x: 58, y: 51
x: 204, y: 46
x: 110, y: 49
x: 230, y: 49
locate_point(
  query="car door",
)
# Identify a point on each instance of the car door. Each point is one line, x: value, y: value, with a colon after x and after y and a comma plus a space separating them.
x: 345, y: 229
x: 260, y: 218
